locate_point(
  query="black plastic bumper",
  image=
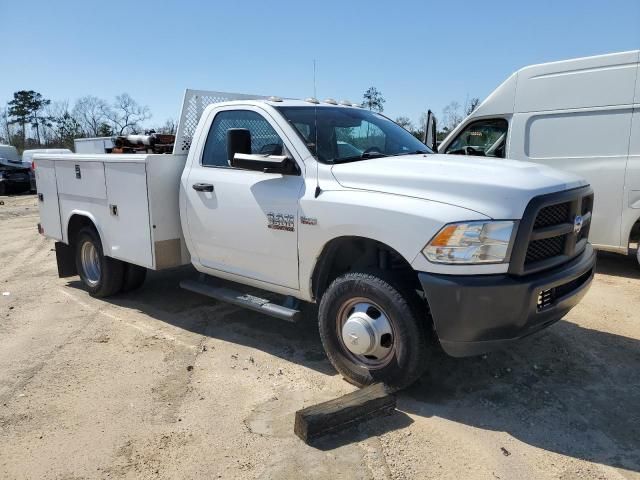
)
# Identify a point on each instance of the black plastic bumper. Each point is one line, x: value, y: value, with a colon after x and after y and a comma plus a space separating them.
x: 477, y: 313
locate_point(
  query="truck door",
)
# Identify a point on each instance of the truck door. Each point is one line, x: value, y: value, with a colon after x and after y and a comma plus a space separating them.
x: 240, y: 221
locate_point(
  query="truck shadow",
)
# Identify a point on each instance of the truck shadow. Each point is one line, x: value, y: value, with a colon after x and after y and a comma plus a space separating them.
x: 571, y: 390
x: 161, y: 298
x: 618, y: 265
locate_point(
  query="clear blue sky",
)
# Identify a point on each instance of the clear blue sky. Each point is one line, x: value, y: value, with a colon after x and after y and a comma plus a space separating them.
x: 417, y: 53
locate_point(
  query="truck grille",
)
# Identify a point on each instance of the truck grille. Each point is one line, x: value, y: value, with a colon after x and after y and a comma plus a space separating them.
x: 553, y: 215
x: 541, y: 249
x: 554, y: 229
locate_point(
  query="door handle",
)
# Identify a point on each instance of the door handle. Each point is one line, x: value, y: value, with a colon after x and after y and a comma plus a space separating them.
x: 203, y: 187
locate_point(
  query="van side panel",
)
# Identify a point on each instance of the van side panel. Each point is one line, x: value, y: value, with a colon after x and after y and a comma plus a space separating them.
x: 580, y: 83
x: 590, y: 143
x: 576, y: 115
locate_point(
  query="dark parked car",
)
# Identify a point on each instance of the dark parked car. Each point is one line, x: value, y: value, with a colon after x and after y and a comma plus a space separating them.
x: 14, y: 179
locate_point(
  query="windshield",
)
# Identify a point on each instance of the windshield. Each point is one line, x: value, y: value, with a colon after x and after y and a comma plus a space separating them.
x: 349, y: 134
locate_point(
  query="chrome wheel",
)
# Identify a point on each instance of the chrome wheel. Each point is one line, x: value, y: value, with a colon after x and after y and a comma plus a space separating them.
x: 366, y: 333
x: 90, y: 262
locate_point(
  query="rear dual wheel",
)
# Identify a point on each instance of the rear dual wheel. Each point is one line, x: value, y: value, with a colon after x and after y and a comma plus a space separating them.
x: 104, y: 276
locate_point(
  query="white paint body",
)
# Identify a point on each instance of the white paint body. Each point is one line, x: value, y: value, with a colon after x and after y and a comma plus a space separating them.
x: 582, y: 116
x: 92, y: 145
x: 399, y: 201
x: 143, y: 188
x: 27, y: 155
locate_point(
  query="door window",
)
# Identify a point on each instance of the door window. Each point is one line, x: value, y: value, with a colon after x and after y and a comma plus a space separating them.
x: 264, y: 139
x: 484, y: 138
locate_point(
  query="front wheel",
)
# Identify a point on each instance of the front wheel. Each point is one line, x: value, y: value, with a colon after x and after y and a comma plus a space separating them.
x: 101, y: 275
x: 374, y: 330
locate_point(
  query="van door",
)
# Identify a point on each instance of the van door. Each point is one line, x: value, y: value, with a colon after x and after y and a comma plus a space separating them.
x: 240, y: 221
x: 631, y: 206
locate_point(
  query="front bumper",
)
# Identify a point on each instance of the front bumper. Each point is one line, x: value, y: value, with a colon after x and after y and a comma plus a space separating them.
x: 477, y: 313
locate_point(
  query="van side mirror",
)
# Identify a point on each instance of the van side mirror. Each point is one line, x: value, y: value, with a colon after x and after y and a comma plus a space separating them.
x: 430, y: 132
x: 238, y: 141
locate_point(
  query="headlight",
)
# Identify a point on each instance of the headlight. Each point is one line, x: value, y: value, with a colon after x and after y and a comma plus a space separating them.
x: 471, y: 242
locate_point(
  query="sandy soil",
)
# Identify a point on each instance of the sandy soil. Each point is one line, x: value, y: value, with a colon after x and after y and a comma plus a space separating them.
x: 162, y: 383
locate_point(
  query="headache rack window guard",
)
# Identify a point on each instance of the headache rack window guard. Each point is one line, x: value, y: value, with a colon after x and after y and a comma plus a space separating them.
x: 193, y: 104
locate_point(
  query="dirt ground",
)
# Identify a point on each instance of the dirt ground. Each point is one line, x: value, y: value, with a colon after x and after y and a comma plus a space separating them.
x: 162, y: 383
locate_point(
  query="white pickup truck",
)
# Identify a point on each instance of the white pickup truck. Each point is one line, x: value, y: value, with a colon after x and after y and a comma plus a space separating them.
x: 331, y: 204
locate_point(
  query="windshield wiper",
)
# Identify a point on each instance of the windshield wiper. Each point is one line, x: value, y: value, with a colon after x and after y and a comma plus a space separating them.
x: 363, y: 156
x: 415, y: 152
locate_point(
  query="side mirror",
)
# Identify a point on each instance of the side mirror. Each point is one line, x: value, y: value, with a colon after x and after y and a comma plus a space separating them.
x: 430, y: 132
x: 266, y: 163
x: 238, y: 141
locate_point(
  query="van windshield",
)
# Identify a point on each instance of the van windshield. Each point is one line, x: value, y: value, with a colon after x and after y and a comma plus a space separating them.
x: 342, y: 134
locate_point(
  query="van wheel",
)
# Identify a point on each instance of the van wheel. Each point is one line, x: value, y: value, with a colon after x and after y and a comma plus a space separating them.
x: 102, y: 276
x: 134, y: 277
x: 373, y: 330
x: 3, y: 188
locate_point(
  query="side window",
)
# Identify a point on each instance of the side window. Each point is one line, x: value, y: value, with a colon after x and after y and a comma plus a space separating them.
x: 264, y: 139
x: 484, y: 138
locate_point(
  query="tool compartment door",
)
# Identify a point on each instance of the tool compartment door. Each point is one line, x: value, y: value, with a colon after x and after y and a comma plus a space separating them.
x: 128, y: 213
x: 48, y: 199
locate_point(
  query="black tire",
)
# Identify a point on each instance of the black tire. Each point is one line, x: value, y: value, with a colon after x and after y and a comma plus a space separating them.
x: 111, y: 272
x: 3, y: 188
x: 407, y: 315
x: 134, y: 277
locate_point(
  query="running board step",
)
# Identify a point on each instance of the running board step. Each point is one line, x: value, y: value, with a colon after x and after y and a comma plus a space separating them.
x: 245, y: 300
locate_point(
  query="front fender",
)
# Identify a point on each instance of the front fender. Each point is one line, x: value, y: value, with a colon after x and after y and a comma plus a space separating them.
x: 403, y: 223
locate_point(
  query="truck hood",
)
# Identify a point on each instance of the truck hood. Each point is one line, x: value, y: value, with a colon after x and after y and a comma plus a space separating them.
x: 496, y: 188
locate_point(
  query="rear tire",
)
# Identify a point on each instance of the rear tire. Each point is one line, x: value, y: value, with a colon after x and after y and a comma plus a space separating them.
x: 399, y: 349
x: 134, y: 277
x: 3, y: 188
x: 102, y: 276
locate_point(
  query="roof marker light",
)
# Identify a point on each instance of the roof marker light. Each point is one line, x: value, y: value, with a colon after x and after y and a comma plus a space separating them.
x: 346, y: 103
x: 311, y: 100
x: 330, y: 101
x: 273, y: 98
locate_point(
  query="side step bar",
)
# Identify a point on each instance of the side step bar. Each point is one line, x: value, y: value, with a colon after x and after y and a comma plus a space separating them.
x: 245, y: 300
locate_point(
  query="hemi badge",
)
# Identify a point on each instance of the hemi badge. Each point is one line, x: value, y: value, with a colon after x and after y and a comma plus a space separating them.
x: 308, y: 221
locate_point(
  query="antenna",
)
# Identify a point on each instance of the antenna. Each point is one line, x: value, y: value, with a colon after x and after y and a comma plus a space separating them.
x: 315, y: 114
x: 314, y: 79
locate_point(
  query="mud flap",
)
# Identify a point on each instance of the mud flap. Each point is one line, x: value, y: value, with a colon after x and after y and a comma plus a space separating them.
x: 66, y: 260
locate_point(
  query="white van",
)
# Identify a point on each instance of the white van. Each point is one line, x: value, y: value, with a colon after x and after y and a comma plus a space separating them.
x: 580, y: 115
x: 27, y: 155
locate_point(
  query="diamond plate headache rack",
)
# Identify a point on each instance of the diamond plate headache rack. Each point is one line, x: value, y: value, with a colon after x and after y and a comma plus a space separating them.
x: 194, y: 103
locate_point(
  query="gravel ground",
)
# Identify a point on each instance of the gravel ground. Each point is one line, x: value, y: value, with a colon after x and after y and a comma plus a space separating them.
x: 162, y: 383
